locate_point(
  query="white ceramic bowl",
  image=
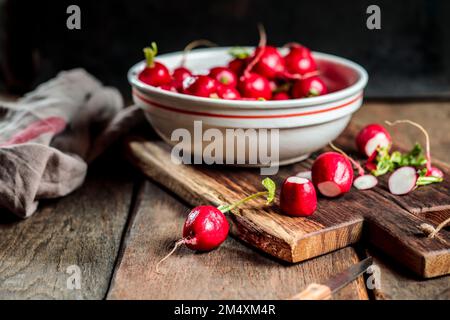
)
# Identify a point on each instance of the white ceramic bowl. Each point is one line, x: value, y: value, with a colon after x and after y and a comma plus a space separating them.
x: 305, y: 125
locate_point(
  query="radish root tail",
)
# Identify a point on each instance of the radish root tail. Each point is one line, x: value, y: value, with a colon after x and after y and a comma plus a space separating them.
x: 262, y: 45
x: 355, y: 163
x: 192, y: 45
x: 175, y: 247
x: 427, y: 137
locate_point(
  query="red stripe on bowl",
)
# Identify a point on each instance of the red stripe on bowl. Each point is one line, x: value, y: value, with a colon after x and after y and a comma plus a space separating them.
x: 266, y: 116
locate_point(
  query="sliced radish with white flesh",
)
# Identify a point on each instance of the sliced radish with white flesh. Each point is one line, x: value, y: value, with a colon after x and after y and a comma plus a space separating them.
x: 305, y: 174
x: 365, y: 182
x: 371, y: 137
x: 402, y: 180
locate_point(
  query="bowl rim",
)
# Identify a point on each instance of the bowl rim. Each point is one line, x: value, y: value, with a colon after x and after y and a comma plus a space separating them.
x: 239, y: 104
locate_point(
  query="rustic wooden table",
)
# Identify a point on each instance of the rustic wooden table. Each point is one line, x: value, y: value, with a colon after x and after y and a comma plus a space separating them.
x: 118, y: 224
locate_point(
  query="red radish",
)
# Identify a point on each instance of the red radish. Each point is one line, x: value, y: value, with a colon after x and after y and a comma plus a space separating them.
x: 431, y: 171
x: 435, y: 172
x: 370, y: 138
x: 309, y: 87
x: 255, y: 86
x: 299, y: 60
x: 169, y: 87
x: 155, y: 73
x: 202, y: 86
x: 238, y: 65
x: 224, y: 75
x: 206, y: 227
x: 228, y: 93
x: 270, y: 64
x: 298, y: 197
x: 332, y: 174
x: 305, y: 174
x: 402, y: 180
x: 179, y: 75
x: 182, y: 72
x: 280, y: 96
x: 363, y: 181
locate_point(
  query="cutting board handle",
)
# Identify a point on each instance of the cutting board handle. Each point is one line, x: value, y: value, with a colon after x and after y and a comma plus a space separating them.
x: 314, y: 291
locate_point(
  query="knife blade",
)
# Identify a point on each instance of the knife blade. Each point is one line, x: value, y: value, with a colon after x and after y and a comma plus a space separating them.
x: 324, y: 291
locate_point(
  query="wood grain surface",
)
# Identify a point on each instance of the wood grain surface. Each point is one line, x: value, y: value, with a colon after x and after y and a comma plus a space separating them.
x: 82, y: 229
x: 233, y: 271
x: 336, y: 223
x: 79, y: 229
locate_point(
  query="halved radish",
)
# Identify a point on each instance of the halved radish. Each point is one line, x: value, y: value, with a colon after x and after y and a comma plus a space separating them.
x: 298, y: 197
x: 332, y: 174
x: 402, y: 180
x: 371, y: 137
x: 305, y: 174
x: 364, y: 182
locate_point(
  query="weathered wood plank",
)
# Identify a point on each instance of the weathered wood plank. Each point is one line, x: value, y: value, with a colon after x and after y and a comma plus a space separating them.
x: 288, y: 238
x: 82, y: 229
x: 336, y: 223
x: 233, y: 271
x: 397, y: 283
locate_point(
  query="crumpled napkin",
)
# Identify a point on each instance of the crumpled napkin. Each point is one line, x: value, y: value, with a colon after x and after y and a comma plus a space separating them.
x: 48, y: 137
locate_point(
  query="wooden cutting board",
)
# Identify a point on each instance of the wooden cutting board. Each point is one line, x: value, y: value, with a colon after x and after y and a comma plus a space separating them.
x: 386, y: 221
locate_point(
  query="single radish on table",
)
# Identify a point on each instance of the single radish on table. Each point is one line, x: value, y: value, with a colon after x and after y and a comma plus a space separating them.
x: 370, y: 138
x: 206, y: 227
x: 155, y: 73
x: 298, y: 197
x: 224, y: 76
x: 332, y: 174
x: 309, y: 87
x: 202, y: 86
x: 363, y: 181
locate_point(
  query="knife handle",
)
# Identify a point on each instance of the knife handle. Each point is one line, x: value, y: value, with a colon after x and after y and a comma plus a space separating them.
x: 314, y: 291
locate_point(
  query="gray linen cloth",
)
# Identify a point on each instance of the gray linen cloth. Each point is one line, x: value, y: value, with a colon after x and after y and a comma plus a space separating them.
x: 48, y: 137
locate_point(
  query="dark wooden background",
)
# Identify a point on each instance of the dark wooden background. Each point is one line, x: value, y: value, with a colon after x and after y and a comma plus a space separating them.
x: 408, y: 57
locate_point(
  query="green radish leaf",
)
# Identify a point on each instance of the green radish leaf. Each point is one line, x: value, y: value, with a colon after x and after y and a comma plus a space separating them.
x: 422, y: 181
x: 270, y: 185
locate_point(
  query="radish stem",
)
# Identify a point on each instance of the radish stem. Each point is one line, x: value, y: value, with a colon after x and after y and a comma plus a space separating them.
x: 195, y: 44
x: 427, y: 141
x: 229, y: 207
x: 356, y: 164
x: 150, y: 54
x: 261, y: 45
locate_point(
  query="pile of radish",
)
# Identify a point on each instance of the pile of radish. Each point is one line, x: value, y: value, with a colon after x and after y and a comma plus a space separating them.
x: 331, y: 175
x: 263, y: 74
